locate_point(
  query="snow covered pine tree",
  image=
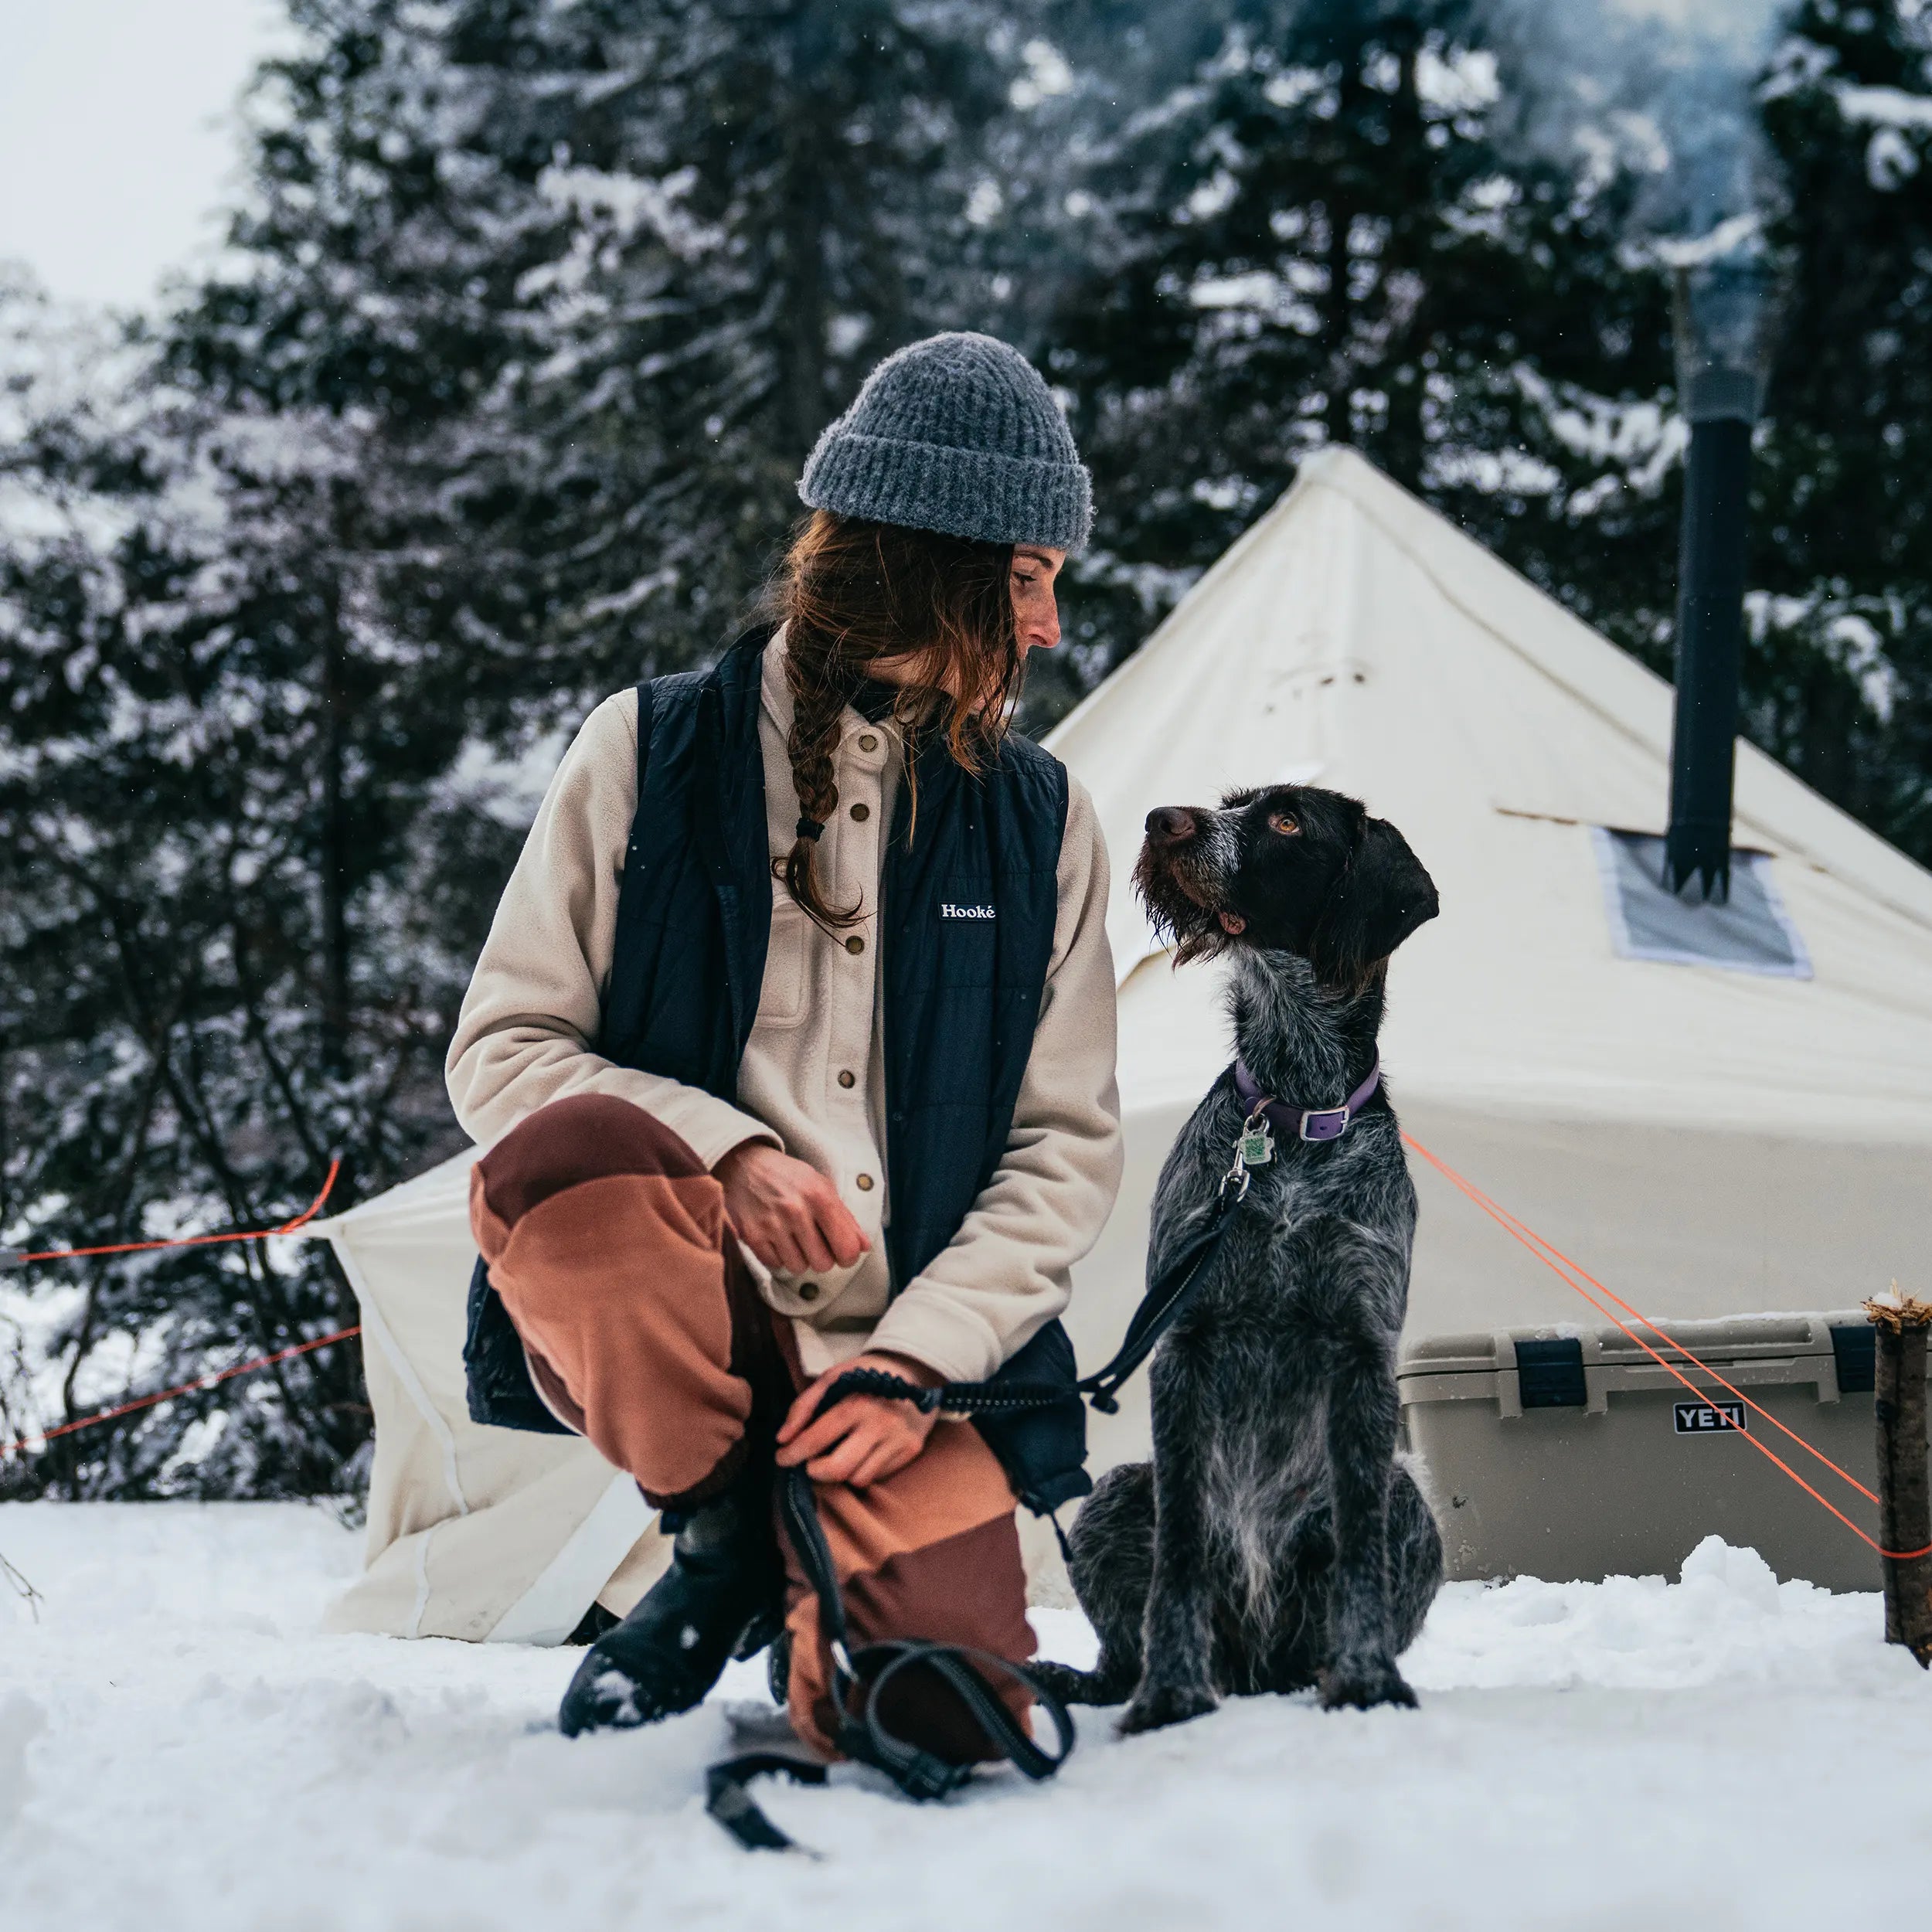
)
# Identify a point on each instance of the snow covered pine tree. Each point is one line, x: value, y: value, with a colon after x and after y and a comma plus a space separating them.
x: 1838, y: 675
x: 1334, y: 231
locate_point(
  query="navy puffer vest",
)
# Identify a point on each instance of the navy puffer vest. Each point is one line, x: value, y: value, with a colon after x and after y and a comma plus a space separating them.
x: 967, y: 915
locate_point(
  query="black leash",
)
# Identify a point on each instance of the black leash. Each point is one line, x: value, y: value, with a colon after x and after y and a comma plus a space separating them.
x: 1160, y: 1308
x: 862, y: 1676
x: 1167, y: 1294
x: 922, y: 1774
x: 727, y: 1796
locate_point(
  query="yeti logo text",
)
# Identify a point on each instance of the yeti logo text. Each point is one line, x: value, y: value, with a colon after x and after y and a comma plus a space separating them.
x: 1708, y: 1418
x: 948, y: 910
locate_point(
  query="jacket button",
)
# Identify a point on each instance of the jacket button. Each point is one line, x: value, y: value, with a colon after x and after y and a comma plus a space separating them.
x: 861, y: 812
x: 855, y: 945
x: 807, y: 1291
x: 865, y: 1184
x: 848, y: 1079
x: 867, y: 741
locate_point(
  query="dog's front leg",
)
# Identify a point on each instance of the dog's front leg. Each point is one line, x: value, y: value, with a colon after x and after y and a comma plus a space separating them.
x: 1175, y: 1682
x: 1362, y: 1412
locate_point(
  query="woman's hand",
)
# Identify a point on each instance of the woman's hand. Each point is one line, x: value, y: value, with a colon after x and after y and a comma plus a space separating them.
x: 788, y: 1213
x: 863, y: 1439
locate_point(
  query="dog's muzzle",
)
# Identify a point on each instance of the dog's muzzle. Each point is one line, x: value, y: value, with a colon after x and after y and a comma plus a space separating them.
x: 1179, y: 854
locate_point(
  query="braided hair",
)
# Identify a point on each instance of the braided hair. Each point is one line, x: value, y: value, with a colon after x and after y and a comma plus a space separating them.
x: 855, y: 596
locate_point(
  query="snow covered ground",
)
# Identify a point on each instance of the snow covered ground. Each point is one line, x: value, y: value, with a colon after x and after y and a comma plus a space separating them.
x: 179, y: 1747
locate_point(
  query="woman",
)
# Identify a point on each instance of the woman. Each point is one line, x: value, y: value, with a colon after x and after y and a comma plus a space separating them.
x: 794, y: 1036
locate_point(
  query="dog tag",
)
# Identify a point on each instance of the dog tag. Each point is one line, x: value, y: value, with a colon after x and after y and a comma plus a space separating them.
x: 1257, y: 1145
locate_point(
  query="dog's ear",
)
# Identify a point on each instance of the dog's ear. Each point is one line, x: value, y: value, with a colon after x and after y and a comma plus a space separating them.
x: 1381, y: 898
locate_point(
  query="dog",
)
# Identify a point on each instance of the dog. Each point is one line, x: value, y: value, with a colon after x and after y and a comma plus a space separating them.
x: 1277, y: 1541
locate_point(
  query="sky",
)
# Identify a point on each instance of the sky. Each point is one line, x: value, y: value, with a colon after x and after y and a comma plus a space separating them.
x: 118, y: 145
x: 117, y: 135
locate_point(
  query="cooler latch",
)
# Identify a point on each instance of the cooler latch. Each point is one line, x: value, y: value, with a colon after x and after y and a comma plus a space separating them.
x: 1855, y: 1350
x: 1550, y: 1374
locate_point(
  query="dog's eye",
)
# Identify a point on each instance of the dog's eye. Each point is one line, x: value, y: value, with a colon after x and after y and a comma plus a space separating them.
x: 1284, y: 822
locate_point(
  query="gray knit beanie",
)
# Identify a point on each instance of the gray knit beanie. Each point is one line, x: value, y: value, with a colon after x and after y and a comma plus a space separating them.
x: 957, y: 433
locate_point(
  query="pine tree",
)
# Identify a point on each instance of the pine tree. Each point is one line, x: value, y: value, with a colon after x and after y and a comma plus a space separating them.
x: 1838, y: 682
x: 1327, y: 235
x: 762, y: 205
x: 243, y: 654
x: 178, y: 1052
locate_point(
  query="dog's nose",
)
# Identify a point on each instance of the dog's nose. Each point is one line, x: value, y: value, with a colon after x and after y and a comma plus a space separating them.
x: 1170, y: 824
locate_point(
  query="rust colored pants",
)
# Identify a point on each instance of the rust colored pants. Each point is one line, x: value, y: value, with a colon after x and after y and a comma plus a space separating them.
x: 607, y: 1241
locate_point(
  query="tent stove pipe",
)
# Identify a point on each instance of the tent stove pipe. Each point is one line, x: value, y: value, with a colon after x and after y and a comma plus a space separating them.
x: 1722, y: 331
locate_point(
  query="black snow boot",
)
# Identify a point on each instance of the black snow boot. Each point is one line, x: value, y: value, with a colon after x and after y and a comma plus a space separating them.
x: 722, y: 1597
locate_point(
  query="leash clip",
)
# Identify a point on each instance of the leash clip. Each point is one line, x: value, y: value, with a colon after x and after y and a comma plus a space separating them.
x: 1239, y: 1176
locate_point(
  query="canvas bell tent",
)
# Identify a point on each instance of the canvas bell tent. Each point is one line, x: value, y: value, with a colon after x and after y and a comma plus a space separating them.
x: 1720, y: 1116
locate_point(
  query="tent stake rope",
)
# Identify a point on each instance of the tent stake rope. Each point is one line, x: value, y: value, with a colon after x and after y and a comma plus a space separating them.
x: 39, y: 1442
x: 12, y: 1258
x: 1569, y: 1271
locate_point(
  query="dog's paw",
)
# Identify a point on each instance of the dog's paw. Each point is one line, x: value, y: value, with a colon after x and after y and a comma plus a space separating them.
x: 1157, y: 1705
x: 1363, y: 1683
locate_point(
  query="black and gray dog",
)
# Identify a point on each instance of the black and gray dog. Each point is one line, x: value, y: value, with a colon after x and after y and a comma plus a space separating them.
x: 1276, y: 1541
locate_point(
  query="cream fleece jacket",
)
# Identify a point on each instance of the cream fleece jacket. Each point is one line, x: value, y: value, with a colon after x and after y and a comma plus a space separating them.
x: 812, y: 1080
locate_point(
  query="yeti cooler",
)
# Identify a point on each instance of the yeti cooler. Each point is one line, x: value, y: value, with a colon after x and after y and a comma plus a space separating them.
x: 1569, y: 1453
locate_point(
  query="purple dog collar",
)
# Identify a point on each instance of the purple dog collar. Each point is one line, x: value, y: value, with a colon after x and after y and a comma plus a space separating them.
x: 1304, y: 1123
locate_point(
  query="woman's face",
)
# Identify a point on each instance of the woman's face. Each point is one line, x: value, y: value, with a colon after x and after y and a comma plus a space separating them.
x: 1037, y: 616
x: 1036, y: 621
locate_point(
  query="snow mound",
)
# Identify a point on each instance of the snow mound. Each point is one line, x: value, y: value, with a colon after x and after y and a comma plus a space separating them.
x: 1727, y: 1620
x: 179, y: 1745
